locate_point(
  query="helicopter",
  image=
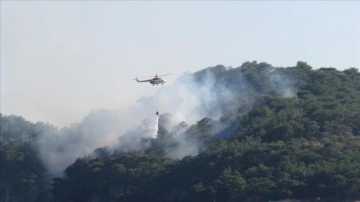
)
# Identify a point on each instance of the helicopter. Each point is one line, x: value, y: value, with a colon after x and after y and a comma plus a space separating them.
x: 154, y: 81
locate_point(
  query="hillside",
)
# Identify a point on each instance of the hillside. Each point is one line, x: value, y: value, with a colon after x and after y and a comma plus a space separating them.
x: 263, y: 133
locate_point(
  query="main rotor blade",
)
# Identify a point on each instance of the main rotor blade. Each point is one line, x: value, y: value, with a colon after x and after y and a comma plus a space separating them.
x: 154, y: 76
x: 164, y: 74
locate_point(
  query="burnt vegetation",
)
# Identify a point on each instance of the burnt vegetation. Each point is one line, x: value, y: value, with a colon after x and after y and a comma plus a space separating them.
x: 293, y: 138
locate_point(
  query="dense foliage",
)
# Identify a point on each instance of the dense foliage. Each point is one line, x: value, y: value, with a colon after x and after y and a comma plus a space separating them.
x: 291, y: 133
x: 22, y: 174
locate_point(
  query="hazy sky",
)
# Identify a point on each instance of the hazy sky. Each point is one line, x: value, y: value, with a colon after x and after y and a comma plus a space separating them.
x: 62, y: 59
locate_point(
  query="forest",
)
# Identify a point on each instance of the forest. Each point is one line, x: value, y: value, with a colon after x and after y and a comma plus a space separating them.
x: 287, y: 133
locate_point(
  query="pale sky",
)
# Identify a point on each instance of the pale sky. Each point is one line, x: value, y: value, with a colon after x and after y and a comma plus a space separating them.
x: 62, y: 59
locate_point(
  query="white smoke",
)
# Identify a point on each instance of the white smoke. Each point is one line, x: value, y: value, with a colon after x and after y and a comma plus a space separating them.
x: 188, y: 100
x: 284, y: 84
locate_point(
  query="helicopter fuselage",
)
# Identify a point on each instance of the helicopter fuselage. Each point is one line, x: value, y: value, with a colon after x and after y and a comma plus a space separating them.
x: 157, y: 81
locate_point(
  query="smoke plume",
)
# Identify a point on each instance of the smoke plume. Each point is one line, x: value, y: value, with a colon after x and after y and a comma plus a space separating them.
x: 188, y: 100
